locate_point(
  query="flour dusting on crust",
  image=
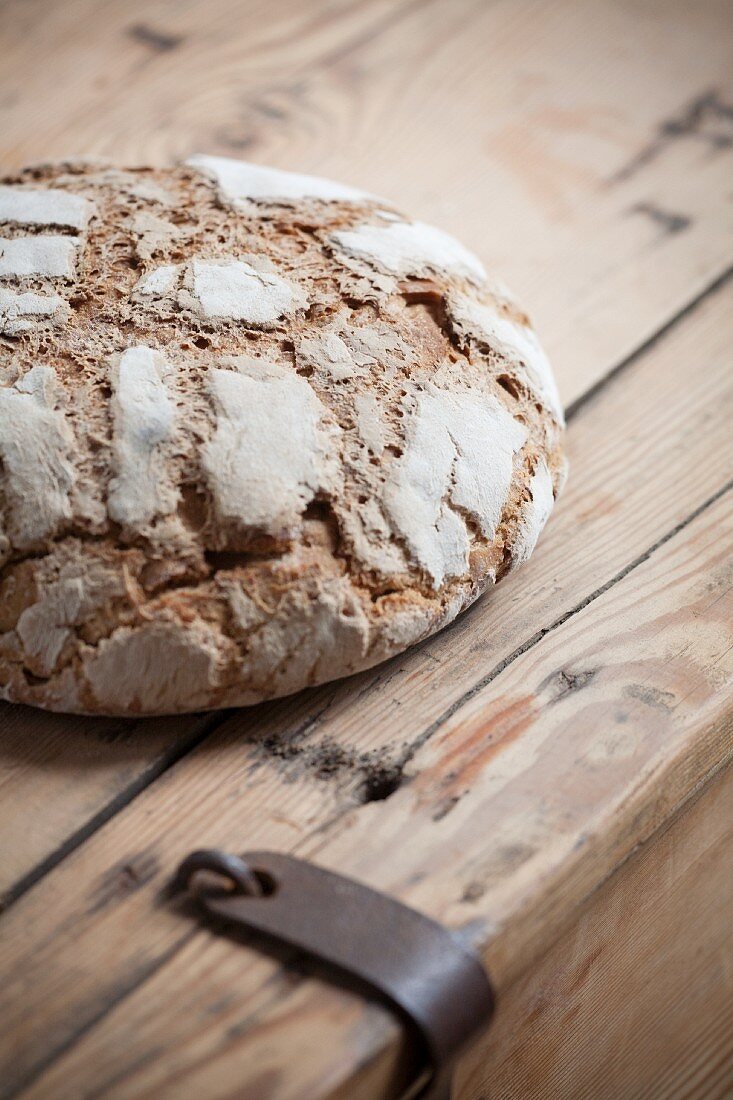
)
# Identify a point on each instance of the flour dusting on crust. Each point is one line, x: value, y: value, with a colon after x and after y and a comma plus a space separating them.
x: 36, y: 447
x: 235, y: 290
x: 34, y: 257
x: 479, y: 323
x: 143, y: 416
x: 240, y: 181
x: 272, y: 450
x: 21, y: 311
x: 458, y: 462
x: 28, y: 206
x: 410, y: 248
x: 535, y: 513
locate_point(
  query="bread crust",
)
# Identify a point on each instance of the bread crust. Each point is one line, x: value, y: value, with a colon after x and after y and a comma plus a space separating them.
x: 257, y: 431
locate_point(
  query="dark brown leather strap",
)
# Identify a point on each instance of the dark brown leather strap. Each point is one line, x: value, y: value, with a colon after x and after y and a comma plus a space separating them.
x: 421, y: 968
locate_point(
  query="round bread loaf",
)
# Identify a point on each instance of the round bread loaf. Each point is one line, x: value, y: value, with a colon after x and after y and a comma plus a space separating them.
x: 257, y: 431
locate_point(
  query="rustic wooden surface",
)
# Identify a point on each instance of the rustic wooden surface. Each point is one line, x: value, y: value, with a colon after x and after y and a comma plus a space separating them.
x: 501, y: 773
x: 619, y: 981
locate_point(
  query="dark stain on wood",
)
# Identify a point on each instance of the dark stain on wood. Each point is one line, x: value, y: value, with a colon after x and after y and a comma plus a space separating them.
x: 511, y: 856
x: 706, y: 119
x: 653, y: 697
x: 445, y: 807
x: 505, y: 860
x: 123, y: 879
x: 566, y: 682
x: 373, y: 775
x: 221, y: 1005
x: 381, y: 781
x: 255, y: 116
x: 154, y: 39
x: 668, y: 222
x: 234, y: 142
x: 269, y: 110
x: 473, y: 891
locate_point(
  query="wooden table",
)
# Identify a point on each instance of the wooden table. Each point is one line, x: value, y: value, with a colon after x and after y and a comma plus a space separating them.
x: 550, y: 774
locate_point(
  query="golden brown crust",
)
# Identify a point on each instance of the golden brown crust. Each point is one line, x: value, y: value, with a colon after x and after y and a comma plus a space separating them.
x: 247, y: 443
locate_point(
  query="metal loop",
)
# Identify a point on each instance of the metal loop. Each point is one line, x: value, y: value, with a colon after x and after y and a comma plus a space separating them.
x: 232, y: 867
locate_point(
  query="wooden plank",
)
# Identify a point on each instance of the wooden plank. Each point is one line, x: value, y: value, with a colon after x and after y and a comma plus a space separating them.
x: 647, y: 450
x: 595, y: 182
x: 636, y: 999
x: 70, y: 774
x: 680, y: 163
x: 595, y: 772
x: 61, y: 777
x: 598, y: 259
x: 686, y: 585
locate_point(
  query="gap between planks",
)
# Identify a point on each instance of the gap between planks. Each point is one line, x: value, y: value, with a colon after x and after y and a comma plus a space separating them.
x: 484, y: 682
x: 219, y: 719
x: 210, y: 725
x: 685, y: 573
x: 643, y: 384
x: 607, y: 218
x: 157, y: 767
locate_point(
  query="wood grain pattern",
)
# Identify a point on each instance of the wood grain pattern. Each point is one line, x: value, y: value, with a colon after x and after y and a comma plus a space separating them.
x: 67, y: 775
x: 79, y: 771
x: 647, y: 970
x: 245, y: 787
x: 591, y: 761
x: 584, y: 150
x: 596, y: 183
x: 499, y: 773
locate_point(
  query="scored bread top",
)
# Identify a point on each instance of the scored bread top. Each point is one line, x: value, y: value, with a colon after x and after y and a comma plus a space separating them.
x: 257, y: 430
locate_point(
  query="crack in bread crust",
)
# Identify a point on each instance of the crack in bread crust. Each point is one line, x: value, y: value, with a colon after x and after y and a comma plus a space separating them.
x: 290, y: 435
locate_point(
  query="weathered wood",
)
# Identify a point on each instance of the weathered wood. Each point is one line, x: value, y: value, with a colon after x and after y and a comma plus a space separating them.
x: 607, y: 219
x: 614, y: 754
x: 563, y: 805
x: 668, y: 451
x: 636, y: 999
x: 540, y: 132
x: 584, y: 151
x: 61, y: 777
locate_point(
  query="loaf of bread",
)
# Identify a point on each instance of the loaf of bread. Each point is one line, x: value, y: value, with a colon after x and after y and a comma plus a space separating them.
x: 257, y: 431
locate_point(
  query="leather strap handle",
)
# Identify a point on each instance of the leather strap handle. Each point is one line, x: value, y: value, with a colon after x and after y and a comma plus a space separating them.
x: 417, y: 966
